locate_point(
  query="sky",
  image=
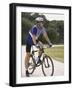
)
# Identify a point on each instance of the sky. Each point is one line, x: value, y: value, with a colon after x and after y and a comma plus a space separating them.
x: 53, y: 16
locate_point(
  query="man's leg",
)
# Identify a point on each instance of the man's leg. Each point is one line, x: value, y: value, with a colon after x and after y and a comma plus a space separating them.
x: 40, y: 51
x: 27, y: 58
x: 39, y: 55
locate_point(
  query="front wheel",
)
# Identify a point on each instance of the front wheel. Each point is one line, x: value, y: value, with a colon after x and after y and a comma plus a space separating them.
x: 47, y: 66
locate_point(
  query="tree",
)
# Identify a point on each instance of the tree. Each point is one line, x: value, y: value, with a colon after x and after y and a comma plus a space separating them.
x: 55, y: 29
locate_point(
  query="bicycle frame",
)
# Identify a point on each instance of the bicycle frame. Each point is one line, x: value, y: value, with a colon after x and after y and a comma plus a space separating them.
x: 44, y: 62
x: 33, y: 56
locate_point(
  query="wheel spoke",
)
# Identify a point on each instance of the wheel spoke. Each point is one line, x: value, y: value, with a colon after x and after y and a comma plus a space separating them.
x: 31, y: 67
x: 47, y: 66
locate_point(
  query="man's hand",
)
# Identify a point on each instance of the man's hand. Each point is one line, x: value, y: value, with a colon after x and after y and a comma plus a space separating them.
x: 50, y: 44
x: 37, y: 46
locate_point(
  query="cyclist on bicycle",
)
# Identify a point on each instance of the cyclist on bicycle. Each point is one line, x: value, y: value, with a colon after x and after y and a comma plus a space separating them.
x: 32, y: 39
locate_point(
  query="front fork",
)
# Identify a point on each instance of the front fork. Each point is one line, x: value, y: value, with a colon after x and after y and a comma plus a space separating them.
x: 45, y: 61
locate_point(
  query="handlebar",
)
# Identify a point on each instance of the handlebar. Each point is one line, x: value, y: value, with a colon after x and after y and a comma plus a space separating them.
x: 41, y: 49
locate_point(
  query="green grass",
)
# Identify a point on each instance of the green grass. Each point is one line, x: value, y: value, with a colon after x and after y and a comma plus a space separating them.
x: 56, y: 53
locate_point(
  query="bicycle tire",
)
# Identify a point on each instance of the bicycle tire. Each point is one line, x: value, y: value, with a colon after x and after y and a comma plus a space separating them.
x: 43, y: 63
x: 32, y: 65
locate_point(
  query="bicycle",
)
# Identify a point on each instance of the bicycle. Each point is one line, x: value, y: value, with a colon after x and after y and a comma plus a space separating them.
x: 46, y: 63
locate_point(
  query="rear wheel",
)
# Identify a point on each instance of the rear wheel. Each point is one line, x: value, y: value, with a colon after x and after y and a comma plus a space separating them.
x: 31, y: 67
x: 47, y: 66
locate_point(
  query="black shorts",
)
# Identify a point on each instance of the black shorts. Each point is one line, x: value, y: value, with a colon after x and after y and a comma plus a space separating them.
x: 28, y: 48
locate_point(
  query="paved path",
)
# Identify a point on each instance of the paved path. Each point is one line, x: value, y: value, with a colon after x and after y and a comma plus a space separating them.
x: 58, y: 67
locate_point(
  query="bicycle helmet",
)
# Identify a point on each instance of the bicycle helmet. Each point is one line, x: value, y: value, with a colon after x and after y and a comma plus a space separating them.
x: 39, y: 19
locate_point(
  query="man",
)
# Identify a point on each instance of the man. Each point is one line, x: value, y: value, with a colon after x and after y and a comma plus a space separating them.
x: 32, y: 38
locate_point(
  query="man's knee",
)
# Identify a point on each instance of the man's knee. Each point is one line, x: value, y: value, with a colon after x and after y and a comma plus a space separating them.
x: 27, y: 54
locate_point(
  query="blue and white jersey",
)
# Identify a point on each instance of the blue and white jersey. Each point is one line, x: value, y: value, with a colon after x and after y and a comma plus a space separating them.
x: 34, y: 31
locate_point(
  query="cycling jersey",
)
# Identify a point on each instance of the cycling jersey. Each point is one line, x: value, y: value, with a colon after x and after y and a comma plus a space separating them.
x: 34, y: 31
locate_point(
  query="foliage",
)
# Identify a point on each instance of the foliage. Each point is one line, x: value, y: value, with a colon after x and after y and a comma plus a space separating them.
x: 57, y: 52
x: 55, y: 29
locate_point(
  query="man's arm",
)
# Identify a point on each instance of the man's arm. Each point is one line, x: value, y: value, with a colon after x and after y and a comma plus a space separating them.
x: 46, y: 37
x: 33, y: 34
x: 34, y: 39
